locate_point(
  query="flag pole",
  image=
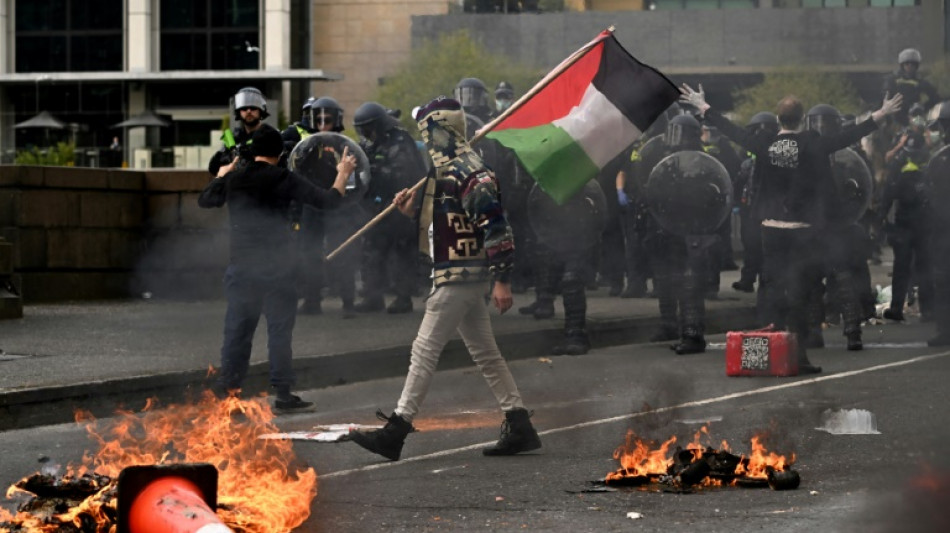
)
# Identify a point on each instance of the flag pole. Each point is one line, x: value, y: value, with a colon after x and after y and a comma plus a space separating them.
x: 538, y: 87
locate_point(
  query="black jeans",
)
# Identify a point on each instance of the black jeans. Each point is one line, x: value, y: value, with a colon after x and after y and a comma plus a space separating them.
x: 792, y: 268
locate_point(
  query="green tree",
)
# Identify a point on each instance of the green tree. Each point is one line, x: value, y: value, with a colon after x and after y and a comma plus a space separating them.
x: 811, y: 87
x: 437, y: 66
x: 61, y: 155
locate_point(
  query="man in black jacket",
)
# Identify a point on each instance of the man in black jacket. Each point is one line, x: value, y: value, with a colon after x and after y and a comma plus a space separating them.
x: 795, y: 186
x: 260, y: 275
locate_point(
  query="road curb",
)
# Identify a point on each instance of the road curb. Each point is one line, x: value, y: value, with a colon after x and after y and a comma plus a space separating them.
x: 54, y: 405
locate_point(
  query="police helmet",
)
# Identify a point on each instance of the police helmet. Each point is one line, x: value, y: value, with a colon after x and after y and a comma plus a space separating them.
x: 308, y: 103
x: 326, y: 109
x: 250, y: 97
x: 908, y: 55
x: 372, y: 119
x: 823, y: 119
x: 763, y: 121
x: 472, y: 94
x: 683, y: 130
x: 504, y: 90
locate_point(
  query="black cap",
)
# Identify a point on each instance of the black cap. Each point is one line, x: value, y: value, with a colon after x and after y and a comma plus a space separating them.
x: 266, y: 142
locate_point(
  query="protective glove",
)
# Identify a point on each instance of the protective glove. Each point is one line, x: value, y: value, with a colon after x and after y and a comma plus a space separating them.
x: 694, y: 98
x: 622, y: 198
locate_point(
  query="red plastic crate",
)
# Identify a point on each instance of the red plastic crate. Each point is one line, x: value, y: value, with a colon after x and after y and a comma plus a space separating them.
x: 761, y: 353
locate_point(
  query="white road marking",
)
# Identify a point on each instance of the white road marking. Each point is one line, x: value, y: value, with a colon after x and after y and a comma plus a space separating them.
x: 610, y: 420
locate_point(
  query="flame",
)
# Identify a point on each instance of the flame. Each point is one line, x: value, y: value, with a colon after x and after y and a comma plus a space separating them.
x: 638, y: 458
x: 761, y: 461
x: 261, y: 486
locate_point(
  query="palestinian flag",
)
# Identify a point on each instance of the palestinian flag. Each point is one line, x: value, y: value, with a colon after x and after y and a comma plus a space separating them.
x: 585, y: 116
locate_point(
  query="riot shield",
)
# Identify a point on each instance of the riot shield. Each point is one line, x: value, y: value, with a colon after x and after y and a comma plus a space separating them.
x: 853, y: 185
x: 649, y: 151
x: 573, y: 226
x: 689, y: 193
x: 938, y: 176
x: 316, y: 158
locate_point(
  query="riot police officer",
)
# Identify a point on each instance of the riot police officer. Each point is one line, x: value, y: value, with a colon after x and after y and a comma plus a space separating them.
x: 395, y: 165
x: 504, y: 97
x: 909, y: 235
x: 938, y: 178
x: 299, y: 130
x: 250, y: 110
x: 680, y: 263
x: 845, y: 244
x: 762, y: 123
x: 907, y: 82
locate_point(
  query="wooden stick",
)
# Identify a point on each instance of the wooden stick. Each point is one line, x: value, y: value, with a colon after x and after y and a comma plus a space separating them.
x: 545, y: 81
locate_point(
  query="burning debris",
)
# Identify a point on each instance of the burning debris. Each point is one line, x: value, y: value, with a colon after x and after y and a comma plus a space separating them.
x: 642, y: 463
x: 261, y: 486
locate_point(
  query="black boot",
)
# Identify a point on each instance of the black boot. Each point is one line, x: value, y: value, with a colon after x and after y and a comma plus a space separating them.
x: 387, y: 441
x: 690, y: 345
x: 854, y: 341
x: 575, y: 343
x: 894, y: 314
x: 804, y: 365
x: 517, y: 435
x: 544, y: 308
x: 743, y: 286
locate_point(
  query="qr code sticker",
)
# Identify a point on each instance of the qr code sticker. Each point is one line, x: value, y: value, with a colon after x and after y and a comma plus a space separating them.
x: 755, y: 353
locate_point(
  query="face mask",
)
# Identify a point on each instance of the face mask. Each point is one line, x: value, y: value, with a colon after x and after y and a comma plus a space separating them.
x: 502, y: 105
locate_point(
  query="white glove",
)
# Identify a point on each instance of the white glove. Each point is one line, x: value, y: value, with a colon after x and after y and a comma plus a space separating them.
x: 892, y: 105
x: 696, y: 99
x: 888, y: 107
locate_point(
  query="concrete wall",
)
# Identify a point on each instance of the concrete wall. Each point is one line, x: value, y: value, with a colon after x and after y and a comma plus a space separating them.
x: 686, y: 41
x: 96, y: 233
x: 365, y: 40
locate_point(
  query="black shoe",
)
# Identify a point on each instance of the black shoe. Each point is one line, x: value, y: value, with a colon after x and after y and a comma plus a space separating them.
x: 402, y: 304
x: 387, y: 441
x: 854, y: 342
x: 743, y: 286
x: 892, y: 314
x: 373, y: 305
x: 942, y: 339
x: 575, y: 344
x: 665, y: 334
x: 543, y: 309
x: 690, y: 345
x: 310, y: 307
x: 517, y: 435
x: 292, y: 404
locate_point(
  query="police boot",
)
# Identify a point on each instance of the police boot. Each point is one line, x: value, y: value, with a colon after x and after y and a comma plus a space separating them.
x: 387, y: 441
x: 517, y: 434
x: 690, y: 344
x: 804, y: 365
x: 370, y: 305
x: 542, y: 308
x: 854, y: 341
x: 743, y: 286
x: 402, y: 304
x: 575, y: 343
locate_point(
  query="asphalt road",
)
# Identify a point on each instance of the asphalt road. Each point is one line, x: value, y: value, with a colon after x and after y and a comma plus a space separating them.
x: 897, y: 480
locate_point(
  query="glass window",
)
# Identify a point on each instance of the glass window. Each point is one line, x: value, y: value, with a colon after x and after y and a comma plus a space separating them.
x: 68, y: 35
x: 36, y: 15
x: 40, y: 54
x: 209, y: 34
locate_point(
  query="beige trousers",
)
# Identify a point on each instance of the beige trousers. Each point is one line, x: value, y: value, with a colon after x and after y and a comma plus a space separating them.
x: 449, y: 309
